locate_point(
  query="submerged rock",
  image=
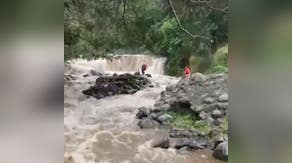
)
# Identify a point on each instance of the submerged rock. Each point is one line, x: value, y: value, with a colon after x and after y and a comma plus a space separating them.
x: 148, y: 123
x: 161, y: 143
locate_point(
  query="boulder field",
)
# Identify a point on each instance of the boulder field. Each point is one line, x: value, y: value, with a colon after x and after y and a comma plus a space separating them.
x: 195, y: 111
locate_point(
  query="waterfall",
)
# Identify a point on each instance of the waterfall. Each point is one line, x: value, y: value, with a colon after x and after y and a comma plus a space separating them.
x: 120, y: 64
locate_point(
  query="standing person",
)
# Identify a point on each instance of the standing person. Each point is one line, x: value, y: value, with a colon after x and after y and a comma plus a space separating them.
x: 187, y: 72
x: 143, y: 68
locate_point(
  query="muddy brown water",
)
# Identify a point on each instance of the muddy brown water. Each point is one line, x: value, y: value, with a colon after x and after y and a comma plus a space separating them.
x: 105, y: 130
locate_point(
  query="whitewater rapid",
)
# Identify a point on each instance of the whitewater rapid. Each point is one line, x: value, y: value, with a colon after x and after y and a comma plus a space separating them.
x: 105, y: 130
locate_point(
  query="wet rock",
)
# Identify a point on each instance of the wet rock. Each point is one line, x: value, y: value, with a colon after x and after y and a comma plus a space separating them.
x: 85, y: 75
x: 217, y: 114
x: 222, y: 106
x: 221, y: 151
x: 223, y: 98
x: 218, y: 121
x: 165, y: 107
x: 164, y: 118
x: 148, y: 123
x: 116, y: 84
x: 143, y: 112
x: 95, y: 73
x: 198, y: 108
x: 209, y: 100
x: 131, y: 91
x: 161, y: 143
x: 154, y: 115
x: 210, y: 108
x: 191, y: 144
x: 149, y: 75
x: 219, y: 139
x: 203, y: 115
x: 181, y: 133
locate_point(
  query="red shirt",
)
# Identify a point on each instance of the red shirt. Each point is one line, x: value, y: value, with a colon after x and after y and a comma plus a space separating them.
x: 187, y: 70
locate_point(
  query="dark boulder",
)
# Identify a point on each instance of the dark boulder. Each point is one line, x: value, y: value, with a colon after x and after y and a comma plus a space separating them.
x: 221, y: 151
x: 143, y: 112
x: 116, y: 84
x: 164, y: 118
x: 149, y: 75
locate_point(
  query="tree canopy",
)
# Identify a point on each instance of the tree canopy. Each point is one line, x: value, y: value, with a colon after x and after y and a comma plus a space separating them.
x: 177, y: 29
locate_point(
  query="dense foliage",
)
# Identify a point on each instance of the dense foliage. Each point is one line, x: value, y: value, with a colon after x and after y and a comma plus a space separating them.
x: 94, y: 28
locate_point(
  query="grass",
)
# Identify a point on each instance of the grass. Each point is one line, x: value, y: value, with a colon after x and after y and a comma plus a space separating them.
x: 217, y: 69
x: 187, y: 121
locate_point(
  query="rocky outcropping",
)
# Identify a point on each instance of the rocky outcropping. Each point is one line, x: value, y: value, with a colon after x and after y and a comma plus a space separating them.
x: 205, y: 95
x: 117, y: 84
x: 201, y: 101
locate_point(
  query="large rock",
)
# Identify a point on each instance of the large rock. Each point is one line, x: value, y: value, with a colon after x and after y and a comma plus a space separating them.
x: 116, y: 84
x: 222, y: 106
x: 162, y: 142
x: 217, y: 114
x: 209, y: 100
x: 148, y: 123
x: 223, y: 98
x: 164, y: 118
x: 219, y: 139
x: 143, y: 112
x: 221, y: 151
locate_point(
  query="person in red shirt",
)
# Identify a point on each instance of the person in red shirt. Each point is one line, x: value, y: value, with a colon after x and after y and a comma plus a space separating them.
x: 187, y: 72
x: 143, y: 68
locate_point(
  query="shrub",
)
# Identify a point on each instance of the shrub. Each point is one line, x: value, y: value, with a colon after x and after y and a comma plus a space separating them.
x: 221, y: 56
x: 217, y: 69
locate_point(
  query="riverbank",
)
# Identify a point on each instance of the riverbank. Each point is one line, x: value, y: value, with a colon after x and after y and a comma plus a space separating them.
x: 195, y: 112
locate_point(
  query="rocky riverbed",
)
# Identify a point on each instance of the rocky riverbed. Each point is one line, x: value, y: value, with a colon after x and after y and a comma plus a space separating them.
x: 195, y: 113
x: 105, y: 130
x: 117, y: 84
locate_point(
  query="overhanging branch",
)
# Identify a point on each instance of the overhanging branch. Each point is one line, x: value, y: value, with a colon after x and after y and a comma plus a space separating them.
x: 180, y: 25
x: 209, y: 5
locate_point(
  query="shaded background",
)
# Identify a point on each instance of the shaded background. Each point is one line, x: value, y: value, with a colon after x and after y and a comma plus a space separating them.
x: 260, y: 81
x: 31, y: 81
